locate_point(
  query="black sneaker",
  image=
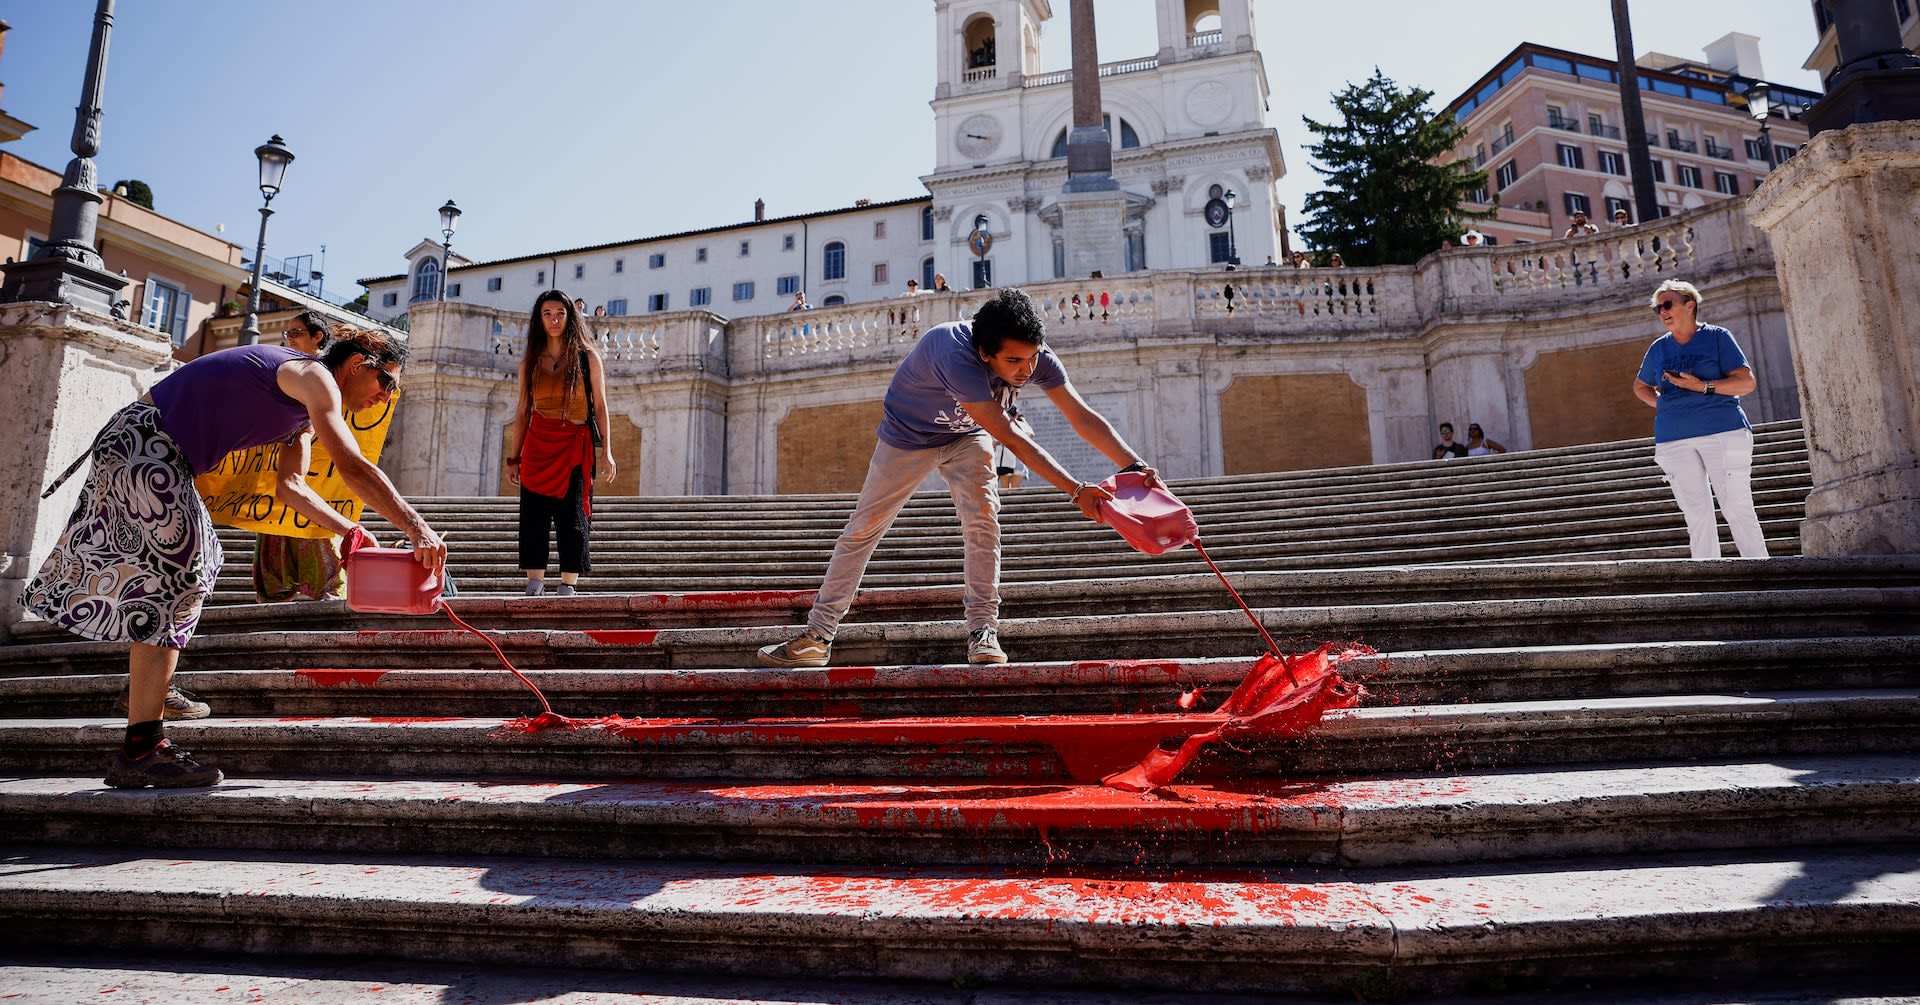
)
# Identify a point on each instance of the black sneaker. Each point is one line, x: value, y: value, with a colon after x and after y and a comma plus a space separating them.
x: 179, y: 705
x: 164, y: 767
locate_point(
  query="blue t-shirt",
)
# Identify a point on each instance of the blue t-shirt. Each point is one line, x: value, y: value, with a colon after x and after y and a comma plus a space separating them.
x: 922, y: 407
x: 1710, y: 354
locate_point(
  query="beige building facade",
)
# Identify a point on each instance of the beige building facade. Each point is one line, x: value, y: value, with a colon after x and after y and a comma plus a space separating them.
x: 1546, y: 126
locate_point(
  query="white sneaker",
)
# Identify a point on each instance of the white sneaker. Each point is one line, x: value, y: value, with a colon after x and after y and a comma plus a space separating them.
x: 983, y: 646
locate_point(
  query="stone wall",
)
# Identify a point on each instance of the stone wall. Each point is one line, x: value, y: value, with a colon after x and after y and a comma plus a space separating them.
x: 1200, y: 370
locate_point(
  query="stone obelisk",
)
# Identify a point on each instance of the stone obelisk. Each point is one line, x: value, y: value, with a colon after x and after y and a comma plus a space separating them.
x: 1092, y: 207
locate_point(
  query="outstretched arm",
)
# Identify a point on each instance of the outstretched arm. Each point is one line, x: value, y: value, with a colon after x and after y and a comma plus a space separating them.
x: 308, y: 382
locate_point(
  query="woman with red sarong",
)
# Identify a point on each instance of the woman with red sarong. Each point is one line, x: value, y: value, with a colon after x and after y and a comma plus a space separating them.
x: 550, y: 454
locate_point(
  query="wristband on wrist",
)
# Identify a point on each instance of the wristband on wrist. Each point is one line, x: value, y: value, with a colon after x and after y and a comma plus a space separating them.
x: 1078, y: 487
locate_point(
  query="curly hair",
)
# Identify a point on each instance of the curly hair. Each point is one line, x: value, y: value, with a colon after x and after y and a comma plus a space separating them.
x: 349, y: 342
x: 1009, y: 315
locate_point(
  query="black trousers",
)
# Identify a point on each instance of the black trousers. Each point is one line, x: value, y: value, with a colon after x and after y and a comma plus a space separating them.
x: 568, y: 519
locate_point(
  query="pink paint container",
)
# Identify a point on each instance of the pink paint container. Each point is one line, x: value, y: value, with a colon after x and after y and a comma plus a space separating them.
x: 389, y: 581
x: 1150, y: 519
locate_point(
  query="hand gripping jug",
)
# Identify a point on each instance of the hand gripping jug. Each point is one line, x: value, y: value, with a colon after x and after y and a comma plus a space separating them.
x: 1150, y: 519
x: 387, y: 580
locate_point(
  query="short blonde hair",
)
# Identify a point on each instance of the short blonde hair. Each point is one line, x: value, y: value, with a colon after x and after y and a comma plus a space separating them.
x: 1680, y: 286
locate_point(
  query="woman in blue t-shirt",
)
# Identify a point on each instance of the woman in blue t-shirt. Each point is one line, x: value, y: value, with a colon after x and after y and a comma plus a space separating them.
x: 1693, y: 377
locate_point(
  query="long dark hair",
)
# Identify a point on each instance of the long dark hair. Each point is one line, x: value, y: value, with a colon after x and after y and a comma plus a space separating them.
x: 573, y: 338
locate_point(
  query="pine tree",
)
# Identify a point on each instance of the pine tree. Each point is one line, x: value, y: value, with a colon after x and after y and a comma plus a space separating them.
x: 135, y: 191
x: 1390, y: 197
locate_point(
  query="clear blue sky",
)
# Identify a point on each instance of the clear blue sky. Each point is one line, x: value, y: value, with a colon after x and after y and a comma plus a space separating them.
x: 574, y: 122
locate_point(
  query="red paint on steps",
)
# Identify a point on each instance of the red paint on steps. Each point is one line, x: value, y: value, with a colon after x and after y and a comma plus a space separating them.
x: 737, y: 598
x: 339, y: 678
x: 613, y: 637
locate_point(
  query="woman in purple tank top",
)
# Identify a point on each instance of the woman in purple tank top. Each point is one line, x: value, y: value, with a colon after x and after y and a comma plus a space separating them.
x: 139, y: 556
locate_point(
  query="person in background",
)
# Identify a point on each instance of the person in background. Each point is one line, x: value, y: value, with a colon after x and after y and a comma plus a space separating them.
x: 551, y: 454
x: 940, y: 283
x: 600, y: 311
x: 913, y: 286
x: 1471, y: 239
x: 947, y: 404
x: 580, y: 307
x: 1693, y: 377
x: 1300, y: 261
x: 1477, y: 443
x: 1446, y: 449
x: 1334, y: 261
x: 799, y: 302
x: 288, y: 567
x: 1620, y: 221
x: 1580, y: 227
x: 139, y: 555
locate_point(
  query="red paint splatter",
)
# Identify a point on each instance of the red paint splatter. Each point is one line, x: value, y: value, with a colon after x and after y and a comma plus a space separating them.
x: 391, y: 720
x: 738, y: 598
x: 338, y: 678
x: 610, y: 637
x: 852, y: 675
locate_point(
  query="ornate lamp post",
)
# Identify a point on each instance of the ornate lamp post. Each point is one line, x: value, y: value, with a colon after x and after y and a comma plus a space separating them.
x: 274, y: 158
x: 449, y: 219
x: 1233, y: 245
x: 1758, y: 102
x: 67, y: 269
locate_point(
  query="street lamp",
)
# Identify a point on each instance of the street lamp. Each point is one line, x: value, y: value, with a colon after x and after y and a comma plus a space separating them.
x: 274, y: 158
x: 1758, y: 103
x: 449, y: 219
x: 1233, y: 246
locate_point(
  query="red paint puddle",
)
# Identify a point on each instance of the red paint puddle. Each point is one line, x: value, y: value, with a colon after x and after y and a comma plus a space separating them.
x: 338, y: 678
x: 610, y: 637
x: 852, y: 675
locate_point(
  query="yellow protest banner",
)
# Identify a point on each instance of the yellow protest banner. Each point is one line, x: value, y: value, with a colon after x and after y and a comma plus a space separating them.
x: 239, y: 492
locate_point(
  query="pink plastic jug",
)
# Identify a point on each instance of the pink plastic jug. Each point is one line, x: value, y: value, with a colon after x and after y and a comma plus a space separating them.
x: 1150, y: 519
x: 389, y: 581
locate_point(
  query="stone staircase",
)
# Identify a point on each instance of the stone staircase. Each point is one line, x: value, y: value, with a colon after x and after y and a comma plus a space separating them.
x: 1583, y: 761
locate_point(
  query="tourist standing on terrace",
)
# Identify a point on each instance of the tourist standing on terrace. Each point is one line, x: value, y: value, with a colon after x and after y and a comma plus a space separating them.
x: 557, y: 432
x: 948, y: 403
x: 1693, y: 377
x: 139, y: 556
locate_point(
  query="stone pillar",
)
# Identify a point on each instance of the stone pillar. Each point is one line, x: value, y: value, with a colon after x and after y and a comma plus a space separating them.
x: 1841, y: 219
x: 63, y: 372
x: 1093, y: 210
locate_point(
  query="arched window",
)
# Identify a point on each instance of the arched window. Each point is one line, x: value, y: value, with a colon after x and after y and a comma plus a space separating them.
x: 426, y: 282
x: 926, y: 273
x: 833, y: 261
x: 833, y: 301
x: 1126, y: 139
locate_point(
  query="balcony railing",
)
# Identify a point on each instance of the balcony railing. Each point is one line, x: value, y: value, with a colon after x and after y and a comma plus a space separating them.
x: 1199, y: 39
x: 1556, y: 122
x: 1501, y: 143
x: 978, y: 74
x: 1718, y: 152
x: 1609, y: 132
x: 1106, y: 70
x: 1684, y: 146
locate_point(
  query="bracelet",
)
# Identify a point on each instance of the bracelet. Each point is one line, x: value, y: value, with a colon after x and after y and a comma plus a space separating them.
x: 1710, y: 389
x: 1078, y: 487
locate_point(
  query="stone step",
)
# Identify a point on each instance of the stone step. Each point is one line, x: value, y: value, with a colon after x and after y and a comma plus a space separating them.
x: 1373, y: 822
x: 1086, y: 747
x: 1100, y: 686
x: 1307, y: 929
x: 1757, y: 614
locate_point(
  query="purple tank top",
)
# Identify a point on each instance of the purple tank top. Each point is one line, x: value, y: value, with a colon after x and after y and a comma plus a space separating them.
x: 228, y: 400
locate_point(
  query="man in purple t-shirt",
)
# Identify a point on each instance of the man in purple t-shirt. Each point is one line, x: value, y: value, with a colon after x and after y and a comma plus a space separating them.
x: 946, y: 406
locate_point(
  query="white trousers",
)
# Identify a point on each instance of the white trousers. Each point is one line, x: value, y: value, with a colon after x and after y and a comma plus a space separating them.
x: 967, y: 466
x: 1723, y: 461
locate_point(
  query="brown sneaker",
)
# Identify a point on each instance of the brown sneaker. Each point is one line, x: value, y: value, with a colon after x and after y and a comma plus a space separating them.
x: 164, y: 767
x: 807, y: 650
x: 179, y: 705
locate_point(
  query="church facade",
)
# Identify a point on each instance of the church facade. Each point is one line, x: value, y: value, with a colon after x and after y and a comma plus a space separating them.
x: 1187, y: 125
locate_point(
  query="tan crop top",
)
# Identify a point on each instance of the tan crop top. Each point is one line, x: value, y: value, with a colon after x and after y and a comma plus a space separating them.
x: 549, y: 390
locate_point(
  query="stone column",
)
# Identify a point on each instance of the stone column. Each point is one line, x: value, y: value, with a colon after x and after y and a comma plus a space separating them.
x: 1093, y: 210
x: 63, y: 372
x: 1841, y: 218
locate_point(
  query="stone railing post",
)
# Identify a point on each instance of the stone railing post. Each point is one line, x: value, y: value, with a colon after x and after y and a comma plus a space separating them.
x: 1840, y: 219
x: 63, y: 372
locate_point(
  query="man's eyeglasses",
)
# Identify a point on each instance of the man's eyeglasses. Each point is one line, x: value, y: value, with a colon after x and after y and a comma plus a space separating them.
x: 1665, y: 306
x: 388, y: 382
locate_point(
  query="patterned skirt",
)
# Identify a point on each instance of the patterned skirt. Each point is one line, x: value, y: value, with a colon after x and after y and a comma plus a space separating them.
x: 139, y: 555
